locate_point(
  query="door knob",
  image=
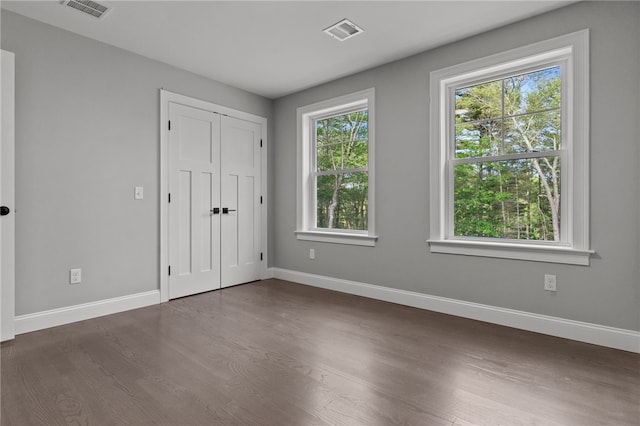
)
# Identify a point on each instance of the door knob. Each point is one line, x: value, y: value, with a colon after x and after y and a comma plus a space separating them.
x: 4, y: 210
x: 215, y: 210
x: 226, y: 210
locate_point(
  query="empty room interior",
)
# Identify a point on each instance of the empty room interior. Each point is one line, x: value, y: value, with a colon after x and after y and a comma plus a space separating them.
x: 320, y: 212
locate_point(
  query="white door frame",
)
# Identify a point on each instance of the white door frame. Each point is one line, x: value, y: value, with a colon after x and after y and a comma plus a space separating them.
x: 165, y: 98
x: 7, y: 193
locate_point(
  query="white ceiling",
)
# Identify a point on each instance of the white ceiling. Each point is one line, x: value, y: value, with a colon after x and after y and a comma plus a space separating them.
x: 276, y: 48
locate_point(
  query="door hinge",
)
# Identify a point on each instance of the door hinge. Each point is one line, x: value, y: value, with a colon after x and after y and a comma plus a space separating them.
x: 260, y: 256
x: 169, y: 197
x: 169, y: 124
x: 261, y: 199
x: 260, y: 143
x: 169, y: 269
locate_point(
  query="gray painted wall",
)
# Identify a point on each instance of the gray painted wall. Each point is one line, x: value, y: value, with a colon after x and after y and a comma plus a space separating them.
x: 606, y: 293
x: 87, y: 132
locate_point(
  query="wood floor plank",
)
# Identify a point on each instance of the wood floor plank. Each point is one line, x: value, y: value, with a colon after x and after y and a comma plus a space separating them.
x: 280, y: 353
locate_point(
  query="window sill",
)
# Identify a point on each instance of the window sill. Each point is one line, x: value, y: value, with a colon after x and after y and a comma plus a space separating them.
x: 531, y: 252
x: 338, y: 238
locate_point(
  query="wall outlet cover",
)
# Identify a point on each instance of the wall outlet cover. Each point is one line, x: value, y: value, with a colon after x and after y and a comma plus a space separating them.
x: 550, y: 282
x: 75, y: 276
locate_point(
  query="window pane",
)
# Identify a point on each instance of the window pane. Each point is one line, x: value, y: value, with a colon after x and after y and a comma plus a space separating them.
x: 342, y: 201
x: 329, y: 157
x: 342, y: 128
x: 479, y: 102
x: 532, y: 92
x: 478, y: 139
x: 323, y: 133
x: 533, y: 132
x: 517, y: 199
x: 513, y: 115
x: 356, y: 155
x: 341, y: 141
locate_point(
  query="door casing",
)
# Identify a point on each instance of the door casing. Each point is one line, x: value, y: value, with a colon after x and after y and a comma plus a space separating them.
x: 165, y: 98
x: 7, y: 198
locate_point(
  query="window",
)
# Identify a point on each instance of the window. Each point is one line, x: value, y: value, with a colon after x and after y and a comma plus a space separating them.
x: 509, y: 154
x: 335, y: 170
x: 506, y: 162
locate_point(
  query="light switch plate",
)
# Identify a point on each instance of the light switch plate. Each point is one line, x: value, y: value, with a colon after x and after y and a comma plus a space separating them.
x: 138, y: 193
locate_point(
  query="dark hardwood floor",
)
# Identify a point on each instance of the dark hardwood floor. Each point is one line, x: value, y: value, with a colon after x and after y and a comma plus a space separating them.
x: 278, y: 353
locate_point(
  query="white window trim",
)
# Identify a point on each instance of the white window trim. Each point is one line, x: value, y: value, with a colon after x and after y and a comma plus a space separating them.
x: 572, y: 50
x: 305, y: 227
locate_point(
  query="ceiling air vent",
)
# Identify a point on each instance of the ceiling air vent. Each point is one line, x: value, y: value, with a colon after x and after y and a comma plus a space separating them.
x: 343, y: 30
x: 87, y: 6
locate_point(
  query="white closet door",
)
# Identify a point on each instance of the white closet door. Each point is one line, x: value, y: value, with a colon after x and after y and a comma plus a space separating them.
x: 240, y: 194
x: 194, y: 185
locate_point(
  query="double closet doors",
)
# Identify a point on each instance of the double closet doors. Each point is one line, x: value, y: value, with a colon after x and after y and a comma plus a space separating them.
x: 215, y: 201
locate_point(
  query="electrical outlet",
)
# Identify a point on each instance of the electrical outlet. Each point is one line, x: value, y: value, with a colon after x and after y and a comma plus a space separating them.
x: 75, y: 276
x: 550, y: 282
x: 312, y: 253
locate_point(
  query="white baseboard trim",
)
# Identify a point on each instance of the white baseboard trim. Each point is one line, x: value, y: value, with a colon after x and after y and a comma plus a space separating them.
x: 55, y: 317
x: 269, y: 273
x: 616, y: 338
